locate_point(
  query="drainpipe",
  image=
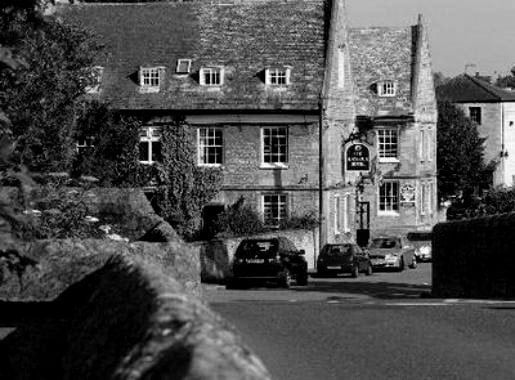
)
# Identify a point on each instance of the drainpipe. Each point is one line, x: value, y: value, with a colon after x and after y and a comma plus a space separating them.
x: 320, y: 173
x: 502, y: 145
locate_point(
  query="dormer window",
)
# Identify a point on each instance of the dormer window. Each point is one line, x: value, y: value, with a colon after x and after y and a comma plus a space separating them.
x: 211, y: 76
x: 183, y: 66
x: 277, y: 76
x: 150, y: 78
x: 96, y: 80
x: 386, y: 88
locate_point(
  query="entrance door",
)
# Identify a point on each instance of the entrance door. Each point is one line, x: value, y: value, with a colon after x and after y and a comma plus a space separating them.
x: 363, y: 232
x: 209, y: 217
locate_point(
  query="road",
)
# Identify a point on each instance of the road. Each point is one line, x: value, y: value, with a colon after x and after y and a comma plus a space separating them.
x: 376, y: 327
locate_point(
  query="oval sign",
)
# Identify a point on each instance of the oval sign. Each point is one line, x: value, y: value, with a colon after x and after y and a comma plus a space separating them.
x: 358, y: 158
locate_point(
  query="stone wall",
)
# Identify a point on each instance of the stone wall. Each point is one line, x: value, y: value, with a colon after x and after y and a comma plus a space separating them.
x: 216, y: 255
x: 129, y: 320
x: 57, y: 264
x: 474, y: 258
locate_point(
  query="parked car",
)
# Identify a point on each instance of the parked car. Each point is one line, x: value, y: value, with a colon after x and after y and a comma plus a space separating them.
x: 421, y: 241
x: 343, y: 258
x: 272, y: 259
x: 391, y: 252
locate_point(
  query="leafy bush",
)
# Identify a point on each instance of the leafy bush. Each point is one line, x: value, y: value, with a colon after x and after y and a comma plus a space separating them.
x: 494, y: 201
x: 239, y: 220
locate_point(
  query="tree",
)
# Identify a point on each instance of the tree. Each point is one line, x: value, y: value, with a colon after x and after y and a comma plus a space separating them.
x: 42, y: 98
x: 460, y: 154
x: 440, y: 79
x: 506, y: 81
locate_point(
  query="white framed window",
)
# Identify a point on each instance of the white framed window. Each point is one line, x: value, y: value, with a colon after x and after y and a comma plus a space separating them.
x: 150, y: 79
x: 149, y: 145
x: 346, y: 212
x: 275, y: 209
x: 387, y: 144
x: 211, y: 76
x: 386, y: 88
x: 426, y: 198
x: 96, y: 79
x: 277, y: 76
x: 274, y: 143
x: 183, y: 66
x: 389, y: 198
x: 210, y: 146
x: 337, y: 215
x: 84, y: 145
x: 475, y: 114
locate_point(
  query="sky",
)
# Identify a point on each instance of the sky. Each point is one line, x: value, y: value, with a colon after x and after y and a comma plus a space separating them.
x: 480, y: 32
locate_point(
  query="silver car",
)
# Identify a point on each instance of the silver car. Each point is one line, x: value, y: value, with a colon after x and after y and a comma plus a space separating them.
x: 391, y: 252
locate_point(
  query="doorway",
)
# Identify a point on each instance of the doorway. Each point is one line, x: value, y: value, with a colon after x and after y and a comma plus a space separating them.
x: 210, y: 215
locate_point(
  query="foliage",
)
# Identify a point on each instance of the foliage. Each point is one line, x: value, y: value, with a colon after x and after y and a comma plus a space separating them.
x: 42, y: 97
x: 239, y: 219
x: 460, y: 154
x: 113, y: 158
x: 494, y: 201
x: 440, y: 79
x: 306, y: 221
x: 183, y: 188
x: 506, y: 81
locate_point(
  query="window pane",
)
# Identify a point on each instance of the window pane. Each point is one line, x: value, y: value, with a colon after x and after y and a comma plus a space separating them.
x: 156, y: 151
x: 143, y: 151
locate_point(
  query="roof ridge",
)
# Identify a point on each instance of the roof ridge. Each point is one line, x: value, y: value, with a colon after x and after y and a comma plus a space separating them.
x: 483, y: 86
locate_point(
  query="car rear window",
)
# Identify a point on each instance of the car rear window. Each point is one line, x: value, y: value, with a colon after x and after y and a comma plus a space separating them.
x: 259, y: 248
x: 384, y: 243
x: 337, y: 250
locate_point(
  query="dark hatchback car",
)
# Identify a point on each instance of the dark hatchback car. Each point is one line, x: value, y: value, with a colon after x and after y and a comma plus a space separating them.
x: 343, y: 258
x: 274, y: 259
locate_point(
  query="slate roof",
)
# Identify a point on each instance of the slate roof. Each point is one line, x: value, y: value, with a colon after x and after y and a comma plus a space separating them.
x: 245, y: 38
x: 467, y: 89
x: 382, y: 53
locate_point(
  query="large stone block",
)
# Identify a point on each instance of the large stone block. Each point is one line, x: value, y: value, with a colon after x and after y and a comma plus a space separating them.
x: 56, y: 264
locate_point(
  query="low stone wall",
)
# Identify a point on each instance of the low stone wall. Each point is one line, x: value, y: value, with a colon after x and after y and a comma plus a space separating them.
x: 129, y: 320
x: 53, y: 265
x: 475, y: 258
x: 216, y: 255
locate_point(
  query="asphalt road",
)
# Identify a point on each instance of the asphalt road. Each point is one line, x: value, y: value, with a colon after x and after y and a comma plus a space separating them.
x: 376, y: 327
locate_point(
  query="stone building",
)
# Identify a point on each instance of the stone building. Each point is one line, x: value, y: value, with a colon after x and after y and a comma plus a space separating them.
x: 277, y: 92
x: 493, y: 111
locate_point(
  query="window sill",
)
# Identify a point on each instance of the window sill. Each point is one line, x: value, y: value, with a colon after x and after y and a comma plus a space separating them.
x: 386, y: 160
x: 274, y: 166
x: 148, y: 90
x: 210, y: 165
x: 388, y: 213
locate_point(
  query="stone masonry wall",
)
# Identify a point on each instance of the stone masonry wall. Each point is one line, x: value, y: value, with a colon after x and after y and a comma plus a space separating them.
x: 129, y: 320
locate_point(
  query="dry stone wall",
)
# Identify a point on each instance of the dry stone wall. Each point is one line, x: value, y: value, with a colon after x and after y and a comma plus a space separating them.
x: 130, y: 320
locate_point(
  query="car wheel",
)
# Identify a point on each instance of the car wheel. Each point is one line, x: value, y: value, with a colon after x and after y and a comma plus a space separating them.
x: 369, y: 270
x: 414, y: 263
x: 355, y: 271
x: 285, y: 279
x: 302, y: 279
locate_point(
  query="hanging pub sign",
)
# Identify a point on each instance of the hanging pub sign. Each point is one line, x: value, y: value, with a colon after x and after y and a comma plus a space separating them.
x: 358, y: 158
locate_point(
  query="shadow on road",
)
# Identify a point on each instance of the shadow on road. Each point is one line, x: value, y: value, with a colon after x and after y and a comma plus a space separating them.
x: 383, y: 290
